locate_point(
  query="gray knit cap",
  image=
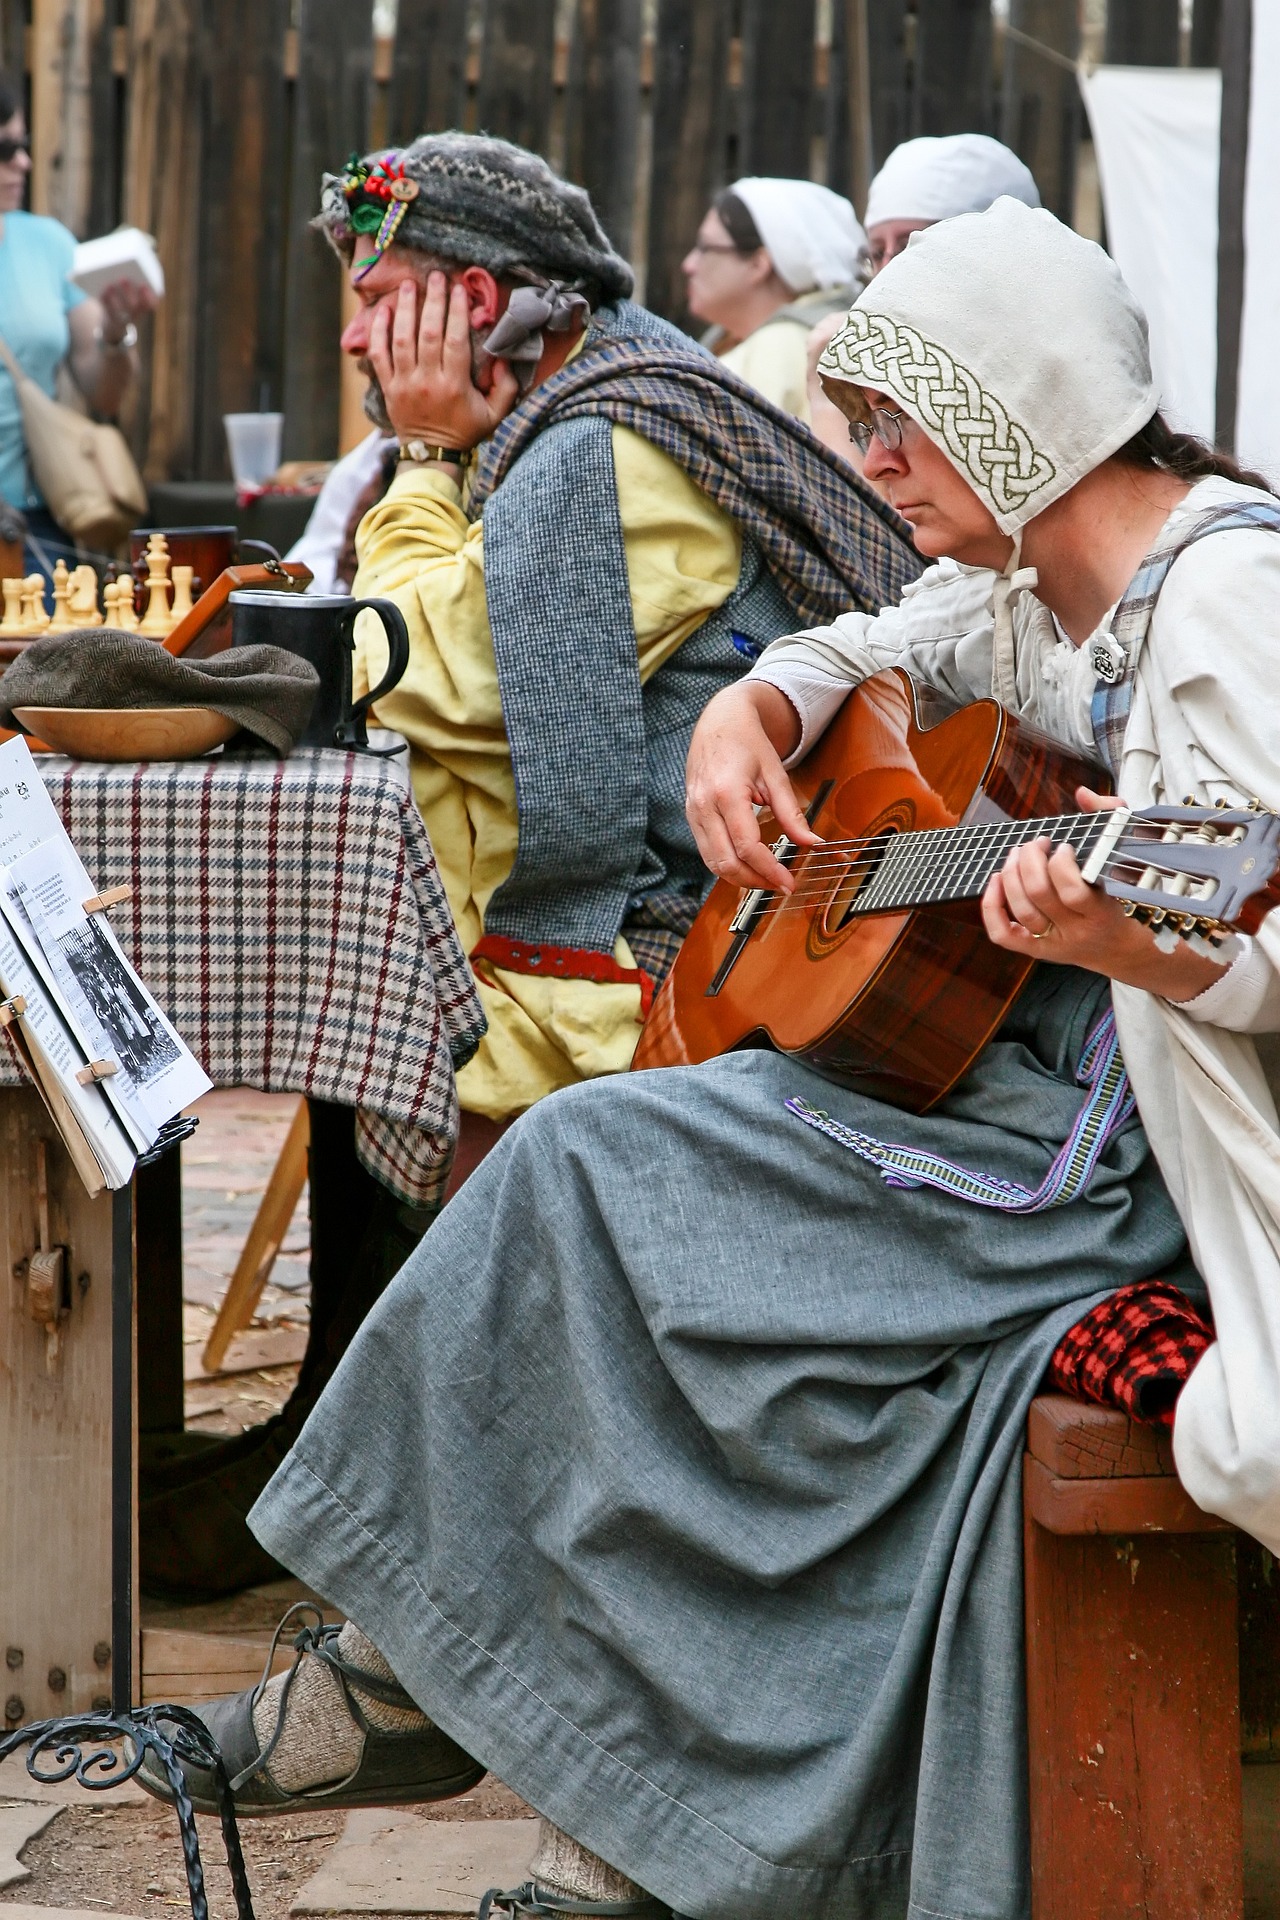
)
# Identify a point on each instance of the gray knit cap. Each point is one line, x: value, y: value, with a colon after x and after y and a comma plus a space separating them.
x: 487, y: 203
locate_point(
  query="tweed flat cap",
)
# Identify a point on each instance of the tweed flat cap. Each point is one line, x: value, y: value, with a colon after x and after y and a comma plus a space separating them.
x: 487, y: 203
x: 264, y: 689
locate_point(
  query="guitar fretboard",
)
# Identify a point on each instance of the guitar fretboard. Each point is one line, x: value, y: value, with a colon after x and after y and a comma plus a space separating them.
x: 955, y: 863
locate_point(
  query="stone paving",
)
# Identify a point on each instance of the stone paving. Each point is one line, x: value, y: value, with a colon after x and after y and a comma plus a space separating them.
x: 225, y: 1168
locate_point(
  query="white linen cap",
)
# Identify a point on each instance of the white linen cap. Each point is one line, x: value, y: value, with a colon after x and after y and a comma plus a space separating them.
x: 811, y: 234
x: 1014, y: 344
x: 936, y: 179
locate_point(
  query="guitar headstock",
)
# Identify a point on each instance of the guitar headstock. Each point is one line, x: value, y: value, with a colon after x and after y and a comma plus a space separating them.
x: 1196, y: 870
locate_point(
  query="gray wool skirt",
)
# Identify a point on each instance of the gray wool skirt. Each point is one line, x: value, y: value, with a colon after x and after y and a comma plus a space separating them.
x: 678, y: 1473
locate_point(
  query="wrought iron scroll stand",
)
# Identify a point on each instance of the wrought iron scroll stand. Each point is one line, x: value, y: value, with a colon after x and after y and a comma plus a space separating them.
x: 86, y: 1746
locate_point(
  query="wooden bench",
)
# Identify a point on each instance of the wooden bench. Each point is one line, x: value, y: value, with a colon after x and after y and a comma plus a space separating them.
x: 1133, y: 1690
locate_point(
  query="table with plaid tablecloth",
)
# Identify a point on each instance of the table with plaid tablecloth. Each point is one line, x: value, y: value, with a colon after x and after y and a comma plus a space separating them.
x: 289, y: 917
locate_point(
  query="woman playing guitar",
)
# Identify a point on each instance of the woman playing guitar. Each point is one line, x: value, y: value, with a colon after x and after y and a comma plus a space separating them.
x: 677, y: 1475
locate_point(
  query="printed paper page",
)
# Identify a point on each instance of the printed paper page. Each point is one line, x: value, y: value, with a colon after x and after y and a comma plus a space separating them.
x: 64, y: 990
x: 102, y: 995
x: 27, y: 814
x: 46, y: 1030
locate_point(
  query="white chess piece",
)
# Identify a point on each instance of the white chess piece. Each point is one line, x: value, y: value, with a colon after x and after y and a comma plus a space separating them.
x: 35, y: 619
x: 156, y: 621
x: 182, y: 579
x: 125, y: 615
x: 62, y: 621
x: 83, y: 604
x: 12, y: 622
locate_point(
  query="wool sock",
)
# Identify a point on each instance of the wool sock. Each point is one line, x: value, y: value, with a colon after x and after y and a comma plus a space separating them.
x: 321, y: 1742
x: 566, y: 1867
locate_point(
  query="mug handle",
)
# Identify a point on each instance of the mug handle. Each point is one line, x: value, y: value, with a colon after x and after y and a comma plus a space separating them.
x: 351, y: 732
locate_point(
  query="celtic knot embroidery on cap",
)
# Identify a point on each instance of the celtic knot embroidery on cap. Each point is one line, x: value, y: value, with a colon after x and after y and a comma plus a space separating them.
x: 947, y: 399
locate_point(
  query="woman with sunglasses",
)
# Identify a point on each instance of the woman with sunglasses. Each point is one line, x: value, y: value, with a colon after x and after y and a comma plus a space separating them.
x: 45, y: 320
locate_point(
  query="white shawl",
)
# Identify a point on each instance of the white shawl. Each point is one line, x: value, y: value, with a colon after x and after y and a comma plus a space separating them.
x: 1205, y: 721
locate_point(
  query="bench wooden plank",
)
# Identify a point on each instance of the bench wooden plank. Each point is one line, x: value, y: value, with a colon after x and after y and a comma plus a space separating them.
x: 1155, y: 1504
x: 1077, y: 1440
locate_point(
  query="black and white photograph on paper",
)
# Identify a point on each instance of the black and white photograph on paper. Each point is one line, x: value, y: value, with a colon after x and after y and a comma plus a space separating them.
x: 135, y: 1027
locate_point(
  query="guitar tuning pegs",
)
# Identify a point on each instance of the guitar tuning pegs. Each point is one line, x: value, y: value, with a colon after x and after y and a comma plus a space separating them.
x: 1188, y: 800
x: 1221, y: 804
x: 1255, y: 805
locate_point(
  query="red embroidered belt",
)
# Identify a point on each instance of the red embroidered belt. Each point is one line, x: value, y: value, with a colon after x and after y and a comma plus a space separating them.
x: 562, y: 963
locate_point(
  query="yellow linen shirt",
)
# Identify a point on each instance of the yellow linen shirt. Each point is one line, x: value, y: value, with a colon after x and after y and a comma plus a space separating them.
x: 418, y: 548
x: 775, y: 361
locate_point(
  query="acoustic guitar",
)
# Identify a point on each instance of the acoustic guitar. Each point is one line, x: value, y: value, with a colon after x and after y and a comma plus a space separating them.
x: 877, y: 970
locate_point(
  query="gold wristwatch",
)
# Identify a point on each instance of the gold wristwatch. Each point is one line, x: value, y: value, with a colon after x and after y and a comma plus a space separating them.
x: 422, y: 453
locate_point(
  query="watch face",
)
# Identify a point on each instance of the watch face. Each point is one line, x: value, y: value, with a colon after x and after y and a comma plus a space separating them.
x: 416, y: 449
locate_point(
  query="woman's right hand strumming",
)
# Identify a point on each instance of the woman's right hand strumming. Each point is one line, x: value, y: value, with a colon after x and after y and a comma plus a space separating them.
x: 735, y: 765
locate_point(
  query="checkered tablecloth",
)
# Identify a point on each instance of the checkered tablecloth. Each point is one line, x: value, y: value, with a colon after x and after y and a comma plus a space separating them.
x: 289, y: 917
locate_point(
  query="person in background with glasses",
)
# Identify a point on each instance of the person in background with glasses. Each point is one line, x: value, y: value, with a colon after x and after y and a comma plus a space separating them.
x: 923, y: 181
x: 45, y: 320
x: 771, y: 258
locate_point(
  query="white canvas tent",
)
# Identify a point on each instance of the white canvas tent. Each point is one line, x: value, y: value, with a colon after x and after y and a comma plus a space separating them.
x: 1158, y: 133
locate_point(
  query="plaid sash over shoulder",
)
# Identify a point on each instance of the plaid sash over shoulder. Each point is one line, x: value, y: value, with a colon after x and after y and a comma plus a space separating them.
x: 832, y: 544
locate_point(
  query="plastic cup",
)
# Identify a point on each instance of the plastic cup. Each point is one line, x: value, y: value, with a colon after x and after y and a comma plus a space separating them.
x: 253, y: 441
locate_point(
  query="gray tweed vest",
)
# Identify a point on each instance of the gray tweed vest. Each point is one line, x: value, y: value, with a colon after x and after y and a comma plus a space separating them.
x: 598, y: 759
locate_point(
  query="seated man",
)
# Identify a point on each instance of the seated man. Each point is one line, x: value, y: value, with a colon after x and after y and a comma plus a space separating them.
x: 592, y: 529
x: 677, y: 1476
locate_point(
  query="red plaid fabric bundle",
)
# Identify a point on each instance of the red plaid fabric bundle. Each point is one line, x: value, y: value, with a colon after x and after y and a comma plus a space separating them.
x: 1134, y: 1350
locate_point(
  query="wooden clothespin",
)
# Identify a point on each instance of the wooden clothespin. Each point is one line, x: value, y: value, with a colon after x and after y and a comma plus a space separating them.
x: 10, y: 1009
x: 110, y: 897
x: 97, y: 1070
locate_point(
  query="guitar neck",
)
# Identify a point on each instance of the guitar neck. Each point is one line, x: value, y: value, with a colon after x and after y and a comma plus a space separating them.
x: 940, y: 864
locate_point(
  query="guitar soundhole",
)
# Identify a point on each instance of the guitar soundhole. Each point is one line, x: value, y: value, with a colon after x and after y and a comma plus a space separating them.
x: 839, y: 909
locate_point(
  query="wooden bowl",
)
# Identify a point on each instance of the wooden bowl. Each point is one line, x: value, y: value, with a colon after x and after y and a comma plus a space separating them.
x: 128, y: 733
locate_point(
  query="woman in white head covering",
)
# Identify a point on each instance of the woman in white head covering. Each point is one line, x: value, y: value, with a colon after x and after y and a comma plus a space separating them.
x: 723, y: 1572
x: 1119, y: 586
x: 927, y: 180
x: 771, y: 258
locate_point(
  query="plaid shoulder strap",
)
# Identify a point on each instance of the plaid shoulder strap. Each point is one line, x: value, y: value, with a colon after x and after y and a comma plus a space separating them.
x: 1115, y: 659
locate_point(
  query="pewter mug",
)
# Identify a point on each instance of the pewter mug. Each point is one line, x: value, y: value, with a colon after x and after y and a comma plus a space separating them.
x: 320, y: 627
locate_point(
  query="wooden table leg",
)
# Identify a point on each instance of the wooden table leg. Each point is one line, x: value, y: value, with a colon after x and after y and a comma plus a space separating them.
x: 56, y: 1436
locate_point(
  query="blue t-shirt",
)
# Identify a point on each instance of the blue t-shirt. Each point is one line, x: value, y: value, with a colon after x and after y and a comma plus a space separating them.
x: 36, y: 295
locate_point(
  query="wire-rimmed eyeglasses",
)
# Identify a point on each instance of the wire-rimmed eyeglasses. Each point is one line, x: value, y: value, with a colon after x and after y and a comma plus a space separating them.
x: 885, y: 425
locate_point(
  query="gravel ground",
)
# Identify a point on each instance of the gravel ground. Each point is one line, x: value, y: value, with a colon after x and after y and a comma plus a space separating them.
x: 127, y: 1859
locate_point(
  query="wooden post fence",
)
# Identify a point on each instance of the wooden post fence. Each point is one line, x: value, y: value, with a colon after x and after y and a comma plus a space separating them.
x: 210, y: 122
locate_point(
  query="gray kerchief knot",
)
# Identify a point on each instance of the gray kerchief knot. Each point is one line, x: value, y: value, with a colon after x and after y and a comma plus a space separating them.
x: 264, y: 689
x: 555, y: 307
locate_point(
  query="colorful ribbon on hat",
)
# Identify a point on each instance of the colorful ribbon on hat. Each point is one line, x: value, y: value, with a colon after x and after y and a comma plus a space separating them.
x: 377, y: 198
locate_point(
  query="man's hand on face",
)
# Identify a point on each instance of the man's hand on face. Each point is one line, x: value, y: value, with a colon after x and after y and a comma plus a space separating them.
x: 422, y: 359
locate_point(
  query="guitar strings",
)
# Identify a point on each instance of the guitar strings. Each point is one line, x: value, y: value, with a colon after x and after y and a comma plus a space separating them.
x: 806, y: 896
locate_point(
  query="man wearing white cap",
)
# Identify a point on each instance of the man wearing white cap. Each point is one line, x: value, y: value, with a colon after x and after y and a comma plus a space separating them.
x: 771, y: 258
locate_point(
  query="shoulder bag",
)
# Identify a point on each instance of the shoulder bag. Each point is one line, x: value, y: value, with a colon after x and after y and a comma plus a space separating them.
x: 83, y: 467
